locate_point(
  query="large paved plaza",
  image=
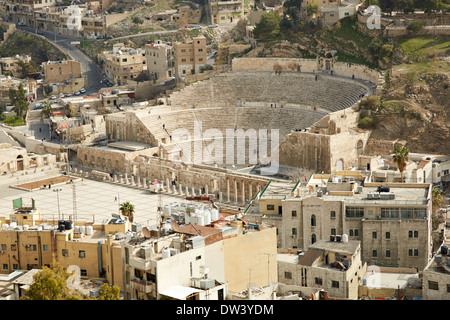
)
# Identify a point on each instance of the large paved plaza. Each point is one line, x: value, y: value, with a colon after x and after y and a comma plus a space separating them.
x: 95, y: 200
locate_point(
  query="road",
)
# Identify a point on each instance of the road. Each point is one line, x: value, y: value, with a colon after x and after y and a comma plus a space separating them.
x: 88, y: 67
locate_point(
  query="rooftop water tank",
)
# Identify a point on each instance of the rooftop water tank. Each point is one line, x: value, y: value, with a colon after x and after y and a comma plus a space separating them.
x: 165, y: 253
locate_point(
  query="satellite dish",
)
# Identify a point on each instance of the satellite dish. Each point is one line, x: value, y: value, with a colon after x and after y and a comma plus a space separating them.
x: 146, y: 232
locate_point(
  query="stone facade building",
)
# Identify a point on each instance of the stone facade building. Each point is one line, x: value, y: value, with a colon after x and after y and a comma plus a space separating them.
x: 189, y: 56
x: 335, y: 267
x: 160, y: 60
x: 124, y: 63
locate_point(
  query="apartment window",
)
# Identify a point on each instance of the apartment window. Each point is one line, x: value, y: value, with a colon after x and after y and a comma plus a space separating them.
x: 200, y: 59
x: 65, y: 252
x: 294, y: 213
x: 183, y: 50
x: 288, y: 275
x: 270, y: 207
x: 200, y: 50
x: 294, y: 232
x: 198, y: 257
x: 31, y: 247
x: 82, y: 254
x: 416, y: 234
x: 45, y: 247
x: 413, y: 234
x: 5, y: 266
x: 318, y: 281
x: 388, y: 235
x: 3, y: 247
x: 374, y: 253
x: 183, y: 60
x: 433, y: 285
x: 15, y: 266
x: 334, y: 284
x: 388, y: 253
x: 333, y: 231
x: 448, y: 288
x: 350, y: 233
x: 374, y: 235
x: 354, y: 212
x: 83, y: 272
x: 124, y: 60
x: 333, y: 214
x: 313, y: 220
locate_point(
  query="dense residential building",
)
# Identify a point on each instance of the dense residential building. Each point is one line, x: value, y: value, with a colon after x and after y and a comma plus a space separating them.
x: 160, y: 60
x: 124, y: 63
x: 222, y: 254
x: 436, y: 275
x: 60, y: 71
x: 186, y: 15
x: 190, y: 56
x: 30, y: 86
x: 12, y: 65
x: 222, y: 12
x: 334, y: 266
x: 394, y: 227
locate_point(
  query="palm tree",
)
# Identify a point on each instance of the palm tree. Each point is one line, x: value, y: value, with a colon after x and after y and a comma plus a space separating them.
x: 47, y: 109
x: 127, y: 209
x: 400, y: 157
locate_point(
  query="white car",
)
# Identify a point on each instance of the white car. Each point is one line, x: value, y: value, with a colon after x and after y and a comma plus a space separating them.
x: 53, y: 97
x: 77, y: 93
x: 82, y: 90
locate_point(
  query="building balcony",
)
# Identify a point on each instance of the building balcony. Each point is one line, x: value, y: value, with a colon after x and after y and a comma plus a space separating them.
x: 141, y: 285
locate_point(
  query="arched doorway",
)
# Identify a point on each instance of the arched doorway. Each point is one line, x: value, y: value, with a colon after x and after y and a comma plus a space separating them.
x: 19, y: 163
x: 359, y: 147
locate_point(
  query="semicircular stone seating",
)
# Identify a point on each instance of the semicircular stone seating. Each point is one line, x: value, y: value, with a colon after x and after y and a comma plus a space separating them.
x: 250, y: 100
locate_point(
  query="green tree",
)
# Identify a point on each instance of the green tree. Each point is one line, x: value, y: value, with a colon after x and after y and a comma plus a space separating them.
x: 51, y: 284
x: 18, y: 99
x: 127, y: 209
x: 27, y: 67
x: 436, y: 198
x: 107, y: 292
x: 292, y: 13
x: 312, y: 8
x: 268, y: 27
x: 47, y: 109
x: 48, y: 89
x: 2, y: 110
x: 401, y: 156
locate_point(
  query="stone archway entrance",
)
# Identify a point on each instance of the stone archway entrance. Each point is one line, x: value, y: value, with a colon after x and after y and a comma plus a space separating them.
x: 19, y: 163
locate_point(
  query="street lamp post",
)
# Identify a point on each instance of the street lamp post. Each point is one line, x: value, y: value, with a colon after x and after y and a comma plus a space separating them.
x: 57, y: 197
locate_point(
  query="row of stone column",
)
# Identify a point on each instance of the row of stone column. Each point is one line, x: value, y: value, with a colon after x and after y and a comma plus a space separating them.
x: 243, y: 189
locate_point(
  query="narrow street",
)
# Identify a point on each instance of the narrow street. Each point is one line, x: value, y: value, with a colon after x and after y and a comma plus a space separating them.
x: 89, y: 68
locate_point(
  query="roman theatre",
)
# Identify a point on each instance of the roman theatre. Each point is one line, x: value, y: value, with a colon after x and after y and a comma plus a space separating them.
x: 182, y: 141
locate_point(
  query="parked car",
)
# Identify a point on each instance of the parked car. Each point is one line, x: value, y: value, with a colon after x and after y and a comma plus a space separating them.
x: 61, y: 95
x: 77, y: 93
x: 38, y: 106
x: 82, y: 90
x: 213, y: 26
x: 197, y: 28
x: 68, y: 94
x: 53, y: 97
x: 20, y: 24
x: 39, y: 32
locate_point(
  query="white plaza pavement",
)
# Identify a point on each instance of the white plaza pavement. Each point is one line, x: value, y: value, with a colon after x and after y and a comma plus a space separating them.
x: 95, y: 200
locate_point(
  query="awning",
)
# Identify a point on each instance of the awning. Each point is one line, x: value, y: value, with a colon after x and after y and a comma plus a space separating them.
x: 179, y: 292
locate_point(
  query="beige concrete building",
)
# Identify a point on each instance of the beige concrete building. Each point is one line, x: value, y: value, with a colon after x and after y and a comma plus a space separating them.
x: 160, y: 60
x: 436, y: 275
x: 15, y: 159
x: 30, y: 86
x: 61, y: 71
x: 32, y: 243
x: 187, y: 15
x: 11, y: 65
x: 124, y: 63
x: 189, y: 56
x: 222, y: 254
x: 394, y: 227
x: 335, y: 267
x: 222, y: 12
